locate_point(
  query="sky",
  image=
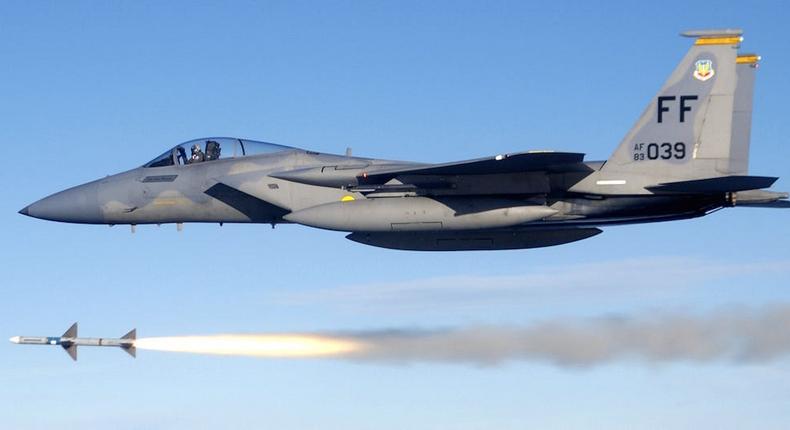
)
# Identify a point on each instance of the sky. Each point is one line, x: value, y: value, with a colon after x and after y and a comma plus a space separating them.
x: 89, y: 89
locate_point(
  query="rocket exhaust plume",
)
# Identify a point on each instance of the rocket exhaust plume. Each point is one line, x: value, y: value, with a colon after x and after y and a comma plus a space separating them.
x: 734, y: 335
x: 254, y: 345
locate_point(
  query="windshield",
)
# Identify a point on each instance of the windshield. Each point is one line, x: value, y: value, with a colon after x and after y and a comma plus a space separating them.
x: 213, y: 148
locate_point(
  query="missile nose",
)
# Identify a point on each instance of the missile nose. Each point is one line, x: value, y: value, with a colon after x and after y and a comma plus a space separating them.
x: 14, y: 339
x: 79, y: 204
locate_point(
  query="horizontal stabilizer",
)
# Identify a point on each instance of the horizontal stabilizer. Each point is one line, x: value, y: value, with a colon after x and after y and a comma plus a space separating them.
x: 779, y: 204
x: 506, y: 163
x: 722, y: 184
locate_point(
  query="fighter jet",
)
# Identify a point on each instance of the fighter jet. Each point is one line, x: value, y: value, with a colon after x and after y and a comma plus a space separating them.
x: 686, y: 156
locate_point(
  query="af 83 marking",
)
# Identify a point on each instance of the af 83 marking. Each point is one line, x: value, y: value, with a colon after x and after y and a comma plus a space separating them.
x: 659, y: 151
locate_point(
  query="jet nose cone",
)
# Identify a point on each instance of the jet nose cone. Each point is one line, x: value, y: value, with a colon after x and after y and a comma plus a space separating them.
x: 14, y: 339
x: 79, y: 205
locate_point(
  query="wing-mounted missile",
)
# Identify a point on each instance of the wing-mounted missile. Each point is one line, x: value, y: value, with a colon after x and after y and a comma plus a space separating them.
x: 338, y: 175
x: 335, y: 176
x: 70, y: 340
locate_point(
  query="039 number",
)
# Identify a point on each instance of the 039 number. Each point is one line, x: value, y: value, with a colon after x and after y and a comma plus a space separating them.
x: 663, y: 151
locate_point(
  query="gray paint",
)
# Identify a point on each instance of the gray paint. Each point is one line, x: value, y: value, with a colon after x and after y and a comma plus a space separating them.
x: 507, y: 201
x: 70, y: 340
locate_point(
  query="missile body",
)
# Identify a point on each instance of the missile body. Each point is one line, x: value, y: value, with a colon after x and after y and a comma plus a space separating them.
x: 70, y: 341
x: 324, y: 176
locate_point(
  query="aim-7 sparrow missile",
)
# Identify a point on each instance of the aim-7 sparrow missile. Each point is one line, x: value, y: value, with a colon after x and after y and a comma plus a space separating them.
x: 69, y: 341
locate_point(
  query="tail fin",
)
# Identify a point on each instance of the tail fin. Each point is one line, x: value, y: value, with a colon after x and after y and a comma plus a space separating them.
x: 745, y: 68
x: 71, y: 332
x: 71, y: 348
x: 698, y: 124
x: 130, y: 349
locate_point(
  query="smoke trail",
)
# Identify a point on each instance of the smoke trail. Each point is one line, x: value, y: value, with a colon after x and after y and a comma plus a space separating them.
x: 732, y: 335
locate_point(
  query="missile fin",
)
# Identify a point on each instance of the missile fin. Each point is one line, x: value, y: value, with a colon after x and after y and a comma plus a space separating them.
x: 131, y: 335
x: 71, y: 332
x: 71, y: 349
x: 130, y: 349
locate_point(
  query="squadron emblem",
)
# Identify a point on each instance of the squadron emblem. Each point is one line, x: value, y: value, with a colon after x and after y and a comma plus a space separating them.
x: 703, y: 70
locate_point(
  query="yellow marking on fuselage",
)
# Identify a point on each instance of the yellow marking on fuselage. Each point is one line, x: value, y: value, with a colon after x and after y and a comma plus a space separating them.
x: 347, y: 199
x: 169, y: 201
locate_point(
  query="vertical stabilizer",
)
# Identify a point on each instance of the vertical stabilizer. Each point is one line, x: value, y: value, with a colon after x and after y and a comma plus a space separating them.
x: 698, y: 124
x: 746, y: 67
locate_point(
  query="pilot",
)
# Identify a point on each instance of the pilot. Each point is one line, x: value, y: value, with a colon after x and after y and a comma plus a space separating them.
x: 197, y: 154
x: 212, y: 150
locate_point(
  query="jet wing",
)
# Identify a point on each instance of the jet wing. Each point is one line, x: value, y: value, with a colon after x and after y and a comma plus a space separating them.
x: 533, y: 161
x: 256, y: 209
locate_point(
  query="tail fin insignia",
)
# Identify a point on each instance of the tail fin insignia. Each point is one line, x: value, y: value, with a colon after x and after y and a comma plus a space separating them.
x: 698, y: 124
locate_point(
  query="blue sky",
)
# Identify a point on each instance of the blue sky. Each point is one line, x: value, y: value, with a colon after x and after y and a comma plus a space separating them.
x: 93, y: 88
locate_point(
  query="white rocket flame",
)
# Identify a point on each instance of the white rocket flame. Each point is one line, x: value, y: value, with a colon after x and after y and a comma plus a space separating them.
x: 257, y: 345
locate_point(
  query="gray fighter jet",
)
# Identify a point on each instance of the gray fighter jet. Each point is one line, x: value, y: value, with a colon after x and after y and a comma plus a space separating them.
x: 685, y: 157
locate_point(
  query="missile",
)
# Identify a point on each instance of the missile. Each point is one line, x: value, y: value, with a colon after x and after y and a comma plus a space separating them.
x: 336, y: 176
x: 324, y: 176
x: 70, y: 341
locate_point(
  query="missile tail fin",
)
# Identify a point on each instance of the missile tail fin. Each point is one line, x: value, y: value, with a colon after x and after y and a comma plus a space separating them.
x: 71, y: 332
x: 130, y: 348
x: 132, y: 335
x: 71, y: 350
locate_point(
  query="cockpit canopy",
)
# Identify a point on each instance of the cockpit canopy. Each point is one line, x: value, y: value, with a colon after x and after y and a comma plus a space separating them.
x: 213, y: 148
